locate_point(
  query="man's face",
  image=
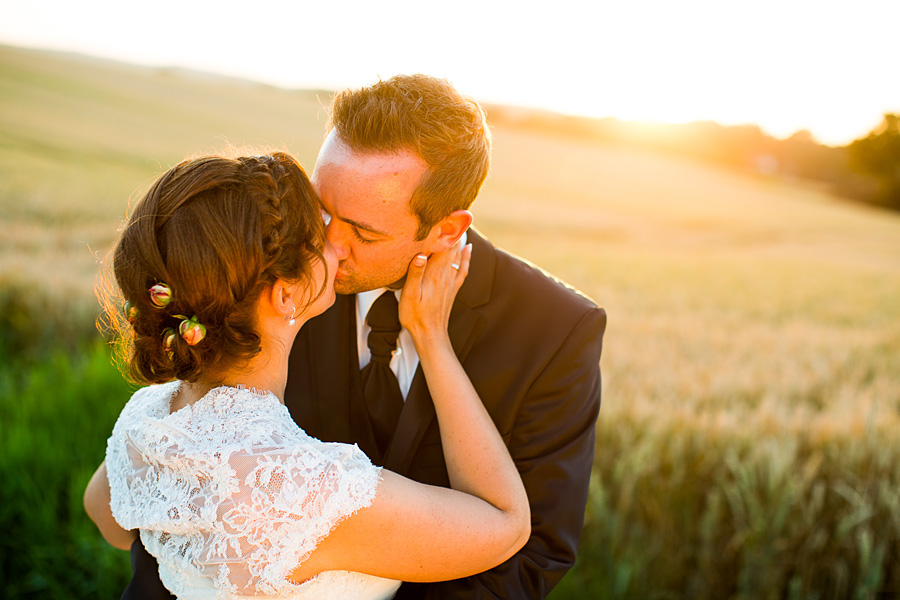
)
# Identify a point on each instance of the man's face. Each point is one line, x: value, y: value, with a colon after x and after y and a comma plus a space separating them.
x: 372, y: 227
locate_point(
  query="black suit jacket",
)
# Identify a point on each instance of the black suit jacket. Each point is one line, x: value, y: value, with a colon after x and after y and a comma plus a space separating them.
x: 531, y: 346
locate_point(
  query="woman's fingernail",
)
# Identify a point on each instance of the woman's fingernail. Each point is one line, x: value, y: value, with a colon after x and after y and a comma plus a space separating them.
x: 420, y: 260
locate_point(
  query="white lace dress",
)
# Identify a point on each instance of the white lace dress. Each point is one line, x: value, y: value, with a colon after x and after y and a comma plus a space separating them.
x: 230, y: 495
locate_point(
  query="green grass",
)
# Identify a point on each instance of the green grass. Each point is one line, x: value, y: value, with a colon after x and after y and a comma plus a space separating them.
x: 747, y: 446
x: 54, y: 421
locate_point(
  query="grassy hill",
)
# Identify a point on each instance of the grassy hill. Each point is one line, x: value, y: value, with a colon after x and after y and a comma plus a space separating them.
x: 79, y: 137
x: 749, y: 440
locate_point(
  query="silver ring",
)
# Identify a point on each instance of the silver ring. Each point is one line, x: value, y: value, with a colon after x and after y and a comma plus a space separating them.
x: 455, y: 266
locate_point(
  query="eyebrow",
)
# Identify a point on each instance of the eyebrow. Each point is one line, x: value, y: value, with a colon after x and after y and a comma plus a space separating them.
x: 363, y: 226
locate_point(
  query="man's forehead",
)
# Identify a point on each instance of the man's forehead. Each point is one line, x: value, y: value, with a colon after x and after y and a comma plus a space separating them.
x: 387, y: 180
x: 335, y: 151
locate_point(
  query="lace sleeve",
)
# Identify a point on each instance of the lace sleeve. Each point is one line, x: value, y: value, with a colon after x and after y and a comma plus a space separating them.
x: 286, y: 503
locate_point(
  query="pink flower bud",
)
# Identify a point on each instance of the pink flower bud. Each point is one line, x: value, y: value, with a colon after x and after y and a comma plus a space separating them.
x: 160, y: 295
x: 192, y: 331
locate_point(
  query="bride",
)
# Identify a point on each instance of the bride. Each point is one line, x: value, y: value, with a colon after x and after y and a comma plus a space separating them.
x: 220, y: 264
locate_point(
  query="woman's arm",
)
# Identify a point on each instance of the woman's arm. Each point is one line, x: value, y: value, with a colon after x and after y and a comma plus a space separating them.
x: 417, y: 532
x: 96, y: 505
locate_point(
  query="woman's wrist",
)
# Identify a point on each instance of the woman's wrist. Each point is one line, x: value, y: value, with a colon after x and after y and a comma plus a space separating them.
x: 429, y: 340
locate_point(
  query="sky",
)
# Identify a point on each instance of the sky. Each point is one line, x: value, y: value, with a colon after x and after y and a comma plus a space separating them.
x: 825, y: 66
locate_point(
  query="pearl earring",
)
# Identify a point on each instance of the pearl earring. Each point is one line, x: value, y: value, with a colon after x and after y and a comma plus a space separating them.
x: 292, y: 320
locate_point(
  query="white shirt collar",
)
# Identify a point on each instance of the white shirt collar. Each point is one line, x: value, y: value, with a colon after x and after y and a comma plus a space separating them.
x: 405, y: 359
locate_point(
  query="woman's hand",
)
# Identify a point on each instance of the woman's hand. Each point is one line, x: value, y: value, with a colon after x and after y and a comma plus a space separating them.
x: 429, y: 291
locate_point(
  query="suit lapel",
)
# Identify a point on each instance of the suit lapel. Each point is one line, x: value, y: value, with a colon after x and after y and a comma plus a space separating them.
x: 323, y: 378
x: 465, y: 325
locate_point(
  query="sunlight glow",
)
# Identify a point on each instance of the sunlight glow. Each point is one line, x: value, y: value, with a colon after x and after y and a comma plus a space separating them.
x: 822, y: 66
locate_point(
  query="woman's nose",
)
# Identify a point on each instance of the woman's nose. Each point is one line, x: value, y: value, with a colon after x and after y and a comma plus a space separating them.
x: 337, y: 241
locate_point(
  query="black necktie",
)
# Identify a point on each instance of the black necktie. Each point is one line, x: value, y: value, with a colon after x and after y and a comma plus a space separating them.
x: 384, y: 400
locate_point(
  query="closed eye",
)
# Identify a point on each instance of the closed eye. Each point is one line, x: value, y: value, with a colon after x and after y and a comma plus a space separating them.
x: 359, y: 236
x: 356, y: 228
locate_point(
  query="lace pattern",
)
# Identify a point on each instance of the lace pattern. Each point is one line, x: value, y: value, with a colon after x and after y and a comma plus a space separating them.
x: 229, y: 494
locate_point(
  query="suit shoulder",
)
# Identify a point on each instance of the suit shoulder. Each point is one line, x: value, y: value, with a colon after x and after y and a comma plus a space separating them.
x: 518, y: 275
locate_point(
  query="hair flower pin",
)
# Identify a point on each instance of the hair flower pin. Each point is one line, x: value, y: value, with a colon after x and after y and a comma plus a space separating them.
x: 168, y: 336
x: 192, y: 330
x: 160, y: 295
x: 131, y: 312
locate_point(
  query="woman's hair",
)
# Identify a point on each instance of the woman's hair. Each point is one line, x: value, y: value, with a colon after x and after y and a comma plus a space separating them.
x: 429, y: 117
x: 217, y: 231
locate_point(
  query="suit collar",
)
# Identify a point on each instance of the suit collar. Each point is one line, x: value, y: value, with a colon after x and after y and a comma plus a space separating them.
x: 476, y: 290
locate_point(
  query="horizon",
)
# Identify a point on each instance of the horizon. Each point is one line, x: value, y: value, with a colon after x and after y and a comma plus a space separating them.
x: 807, y: 66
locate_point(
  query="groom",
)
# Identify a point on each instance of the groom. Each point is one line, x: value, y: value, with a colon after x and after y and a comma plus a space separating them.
x: 402, y: 163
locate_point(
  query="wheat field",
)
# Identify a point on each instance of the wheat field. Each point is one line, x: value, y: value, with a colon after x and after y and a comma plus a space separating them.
x: 748, y: 444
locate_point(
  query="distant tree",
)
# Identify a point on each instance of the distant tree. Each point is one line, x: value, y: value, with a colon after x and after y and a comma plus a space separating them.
x: 802, y: 156
x: 878, y: 155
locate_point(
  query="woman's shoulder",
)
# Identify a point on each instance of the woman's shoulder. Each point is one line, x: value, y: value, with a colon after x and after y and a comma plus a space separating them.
x: 152, y: 400
x: 272, y: 441
x: 228, y: 415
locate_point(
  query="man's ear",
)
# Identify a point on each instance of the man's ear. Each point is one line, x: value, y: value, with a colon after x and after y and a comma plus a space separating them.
x: 446, y: 233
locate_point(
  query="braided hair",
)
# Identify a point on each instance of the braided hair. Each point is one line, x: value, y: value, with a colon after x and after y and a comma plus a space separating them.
x: 217, y: 231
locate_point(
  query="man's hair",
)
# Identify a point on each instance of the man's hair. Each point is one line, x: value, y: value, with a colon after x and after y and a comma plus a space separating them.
x: 429, y: 117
